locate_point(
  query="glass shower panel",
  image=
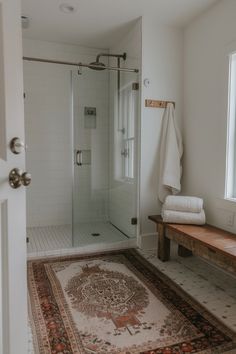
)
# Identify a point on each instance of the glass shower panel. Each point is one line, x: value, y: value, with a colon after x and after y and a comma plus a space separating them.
x: 123, y: 152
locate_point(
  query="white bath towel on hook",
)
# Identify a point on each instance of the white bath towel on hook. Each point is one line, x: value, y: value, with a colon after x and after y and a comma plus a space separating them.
x: 171, y: 151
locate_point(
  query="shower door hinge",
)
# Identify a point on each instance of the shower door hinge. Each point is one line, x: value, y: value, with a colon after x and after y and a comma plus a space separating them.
x: 135, y: 86
x: 134, y: 221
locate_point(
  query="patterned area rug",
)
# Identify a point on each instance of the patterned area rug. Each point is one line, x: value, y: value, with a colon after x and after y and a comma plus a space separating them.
x: 117, y: 303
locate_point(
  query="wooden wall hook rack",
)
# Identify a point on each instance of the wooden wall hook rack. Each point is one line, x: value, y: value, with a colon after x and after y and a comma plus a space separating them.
x: 157, y: 103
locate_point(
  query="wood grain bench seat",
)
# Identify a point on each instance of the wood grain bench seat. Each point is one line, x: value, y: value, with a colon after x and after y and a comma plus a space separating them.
x: 209, y: 242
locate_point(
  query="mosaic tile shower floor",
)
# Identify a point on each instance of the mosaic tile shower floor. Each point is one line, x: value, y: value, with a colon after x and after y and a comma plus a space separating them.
x: 51, y: 238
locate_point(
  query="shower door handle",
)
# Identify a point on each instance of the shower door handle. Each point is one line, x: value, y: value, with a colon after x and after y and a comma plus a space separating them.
x: 79, y: 157
x: 83, y: 157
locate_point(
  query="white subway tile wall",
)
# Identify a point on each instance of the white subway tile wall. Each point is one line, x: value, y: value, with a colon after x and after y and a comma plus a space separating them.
x: 48, y: 136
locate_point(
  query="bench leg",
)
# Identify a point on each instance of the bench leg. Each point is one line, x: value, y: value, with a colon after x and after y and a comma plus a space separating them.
x: 184, y: 252
x: 163, y: 244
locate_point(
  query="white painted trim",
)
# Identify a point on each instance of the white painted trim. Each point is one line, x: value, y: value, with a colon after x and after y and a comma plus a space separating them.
x: 3, y: 144
x: 132, y: 243
x: 148, y: 241
x: 4, y: 275
x: 229, y: 180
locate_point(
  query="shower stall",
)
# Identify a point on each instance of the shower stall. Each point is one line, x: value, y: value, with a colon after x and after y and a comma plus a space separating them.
x: 81, y: 129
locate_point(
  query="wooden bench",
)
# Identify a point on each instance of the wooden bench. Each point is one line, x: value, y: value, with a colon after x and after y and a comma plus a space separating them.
x: 209, y: 242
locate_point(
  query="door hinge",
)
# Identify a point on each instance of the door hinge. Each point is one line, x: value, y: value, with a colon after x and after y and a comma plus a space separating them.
x: 135, y: 86
x: 134, y: 221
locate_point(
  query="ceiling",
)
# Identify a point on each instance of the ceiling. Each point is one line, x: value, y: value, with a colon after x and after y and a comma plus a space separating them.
x: 100, y: 23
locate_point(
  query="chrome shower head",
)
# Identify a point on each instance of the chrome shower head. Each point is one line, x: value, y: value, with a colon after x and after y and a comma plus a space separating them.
x: 97, y: 65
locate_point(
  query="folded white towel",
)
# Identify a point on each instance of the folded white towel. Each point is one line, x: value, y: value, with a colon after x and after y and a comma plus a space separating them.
x: 182, y: 203
x: 179, y: 217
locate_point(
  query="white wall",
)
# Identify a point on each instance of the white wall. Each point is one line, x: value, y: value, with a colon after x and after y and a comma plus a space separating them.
x: 49, y: 134
x: 208, y: 40
x: 162, y: 64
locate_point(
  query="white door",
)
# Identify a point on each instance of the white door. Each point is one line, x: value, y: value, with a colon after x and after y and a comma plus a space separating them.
x: 13, y: 295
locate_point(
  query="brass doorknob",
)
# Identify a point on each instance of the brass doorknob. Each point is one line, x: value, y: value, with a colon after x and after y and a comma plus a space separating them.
x: 18, y: 178
x: 26, y: 178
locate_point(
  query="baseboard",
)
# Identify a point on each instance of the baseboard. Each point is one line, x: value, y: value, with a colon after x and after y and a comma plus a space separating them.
x: 148, y: 241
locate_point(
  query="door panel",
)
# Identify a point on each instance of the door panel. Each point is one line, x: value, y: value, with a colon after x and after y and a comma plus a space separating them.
x: 13, y: 295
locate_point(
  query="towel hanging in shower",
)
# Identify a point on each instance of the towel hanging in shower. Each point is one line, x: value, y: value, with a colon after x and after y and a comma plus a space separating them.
x: 171, y: 150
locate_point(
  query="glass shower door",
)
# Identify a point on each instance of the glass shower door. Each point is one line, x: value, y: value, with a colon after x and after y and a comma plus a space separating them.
x: 91, y: 184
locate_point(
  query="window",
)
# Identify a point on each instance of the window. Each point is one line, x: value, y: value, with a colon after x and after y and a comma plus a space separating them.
x: 230, y: 185
x: 124, y: 133
x: 128, y: 113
